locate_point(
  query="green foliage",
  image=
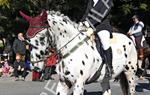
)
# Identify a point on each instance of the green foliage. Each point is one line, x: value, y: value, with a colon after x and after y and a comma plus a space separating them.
x: 143, y: 6
x: 12, y: 22
x: 4, y: 3
x: 126, y: 8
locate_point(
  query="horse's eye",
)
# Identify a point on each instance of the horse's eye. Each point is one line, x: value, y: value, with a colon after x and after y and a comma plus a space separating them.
x: 32, y: 46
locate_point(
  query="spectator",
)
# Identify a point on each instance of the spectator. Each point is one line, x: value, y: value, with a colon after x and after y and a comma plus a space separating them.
x: 50, y: 63
x: 1, y: 44
x: 19, y: 68
x: 8, y: 49
x: 1, y: 69
x: 19, y: 46
x: 136, y: 34
x: 6, y: 68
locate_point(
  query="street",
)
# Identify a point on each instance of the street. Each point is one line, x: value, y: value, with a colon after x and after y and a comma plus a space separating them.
x: 10, y: 87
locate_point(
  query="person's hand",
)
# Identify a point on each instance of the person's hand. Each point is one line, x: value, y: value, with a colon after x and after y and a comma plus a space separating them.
x: 19, y: 68
x: 85, y: 26
x: 27, y: 47
x: 22, y: 69
x: 21, y: 38
x: 89, y: 32
x: 129, y: 33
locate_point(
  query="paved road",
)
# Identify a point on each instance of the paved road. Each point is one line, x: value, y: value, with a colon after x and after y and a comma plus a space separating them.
x: 10, y: 87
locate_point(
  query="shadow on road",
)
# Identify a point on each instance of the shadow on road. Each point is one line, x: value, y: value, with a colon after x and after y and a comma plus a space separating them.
x: 141, y: 86
x: 93, y: 93
x: 148, y: 78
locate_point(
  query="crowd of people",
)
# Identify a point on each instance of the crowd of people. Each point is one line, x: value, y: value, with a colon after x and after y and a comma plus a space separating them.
x: 15, y: 59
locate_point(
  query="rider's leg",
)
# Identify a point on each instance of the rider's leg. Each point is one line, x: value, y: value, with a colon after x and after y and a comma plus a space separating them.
x: 104, y: 35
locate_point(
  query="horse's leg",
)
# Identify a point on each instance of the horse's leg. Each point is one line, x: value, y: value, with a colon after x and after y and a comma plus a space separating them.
x: 62, y: 88
x: 106, y: 86
x: 78, y: 87
x: 146, y: 66
x: 124, y: 83
x: 141, y: 72
x: 130, y: 76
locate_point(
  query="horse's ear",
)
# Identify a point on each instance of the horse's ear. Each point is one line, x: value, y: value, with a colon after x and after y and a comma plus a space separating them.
x: 28, y: 18
x: 44, y: 15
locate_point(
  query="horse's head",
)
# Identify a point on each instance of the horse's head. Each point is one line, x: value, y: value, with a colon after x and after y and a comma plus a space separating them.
x: 39, y: 38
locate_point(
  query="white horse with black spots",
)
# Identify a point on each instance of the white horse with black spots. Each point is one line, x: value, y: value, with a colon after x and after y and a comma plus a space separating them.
x: 81, y: 62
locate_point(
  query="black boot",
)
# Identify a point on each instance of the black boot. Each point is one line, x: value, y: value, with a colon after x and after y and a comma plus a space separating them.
x: 108, y: 61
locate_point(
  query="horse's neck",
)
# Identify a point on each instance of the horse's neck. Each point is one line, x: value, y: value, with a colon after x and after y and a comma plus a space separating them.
x: 51, y: 38
x: 64, y: 33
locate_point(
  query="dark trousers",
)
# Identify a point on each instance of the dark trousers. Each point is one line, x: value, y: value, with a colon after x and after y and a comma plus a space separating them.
x: 47, y: 72
x: 138, y: 40
x: 18, y: 73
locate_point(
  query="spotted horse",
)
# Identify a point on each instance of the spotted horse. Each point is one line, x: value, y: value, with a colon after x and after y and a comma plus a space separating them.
x: 80, y: 62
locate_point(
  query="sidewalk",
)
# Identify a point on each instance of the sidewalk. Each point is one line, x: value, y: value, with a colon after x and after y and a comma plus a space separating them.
x: 11, y: 79
x: 28, y: 78
x: 55, y: 76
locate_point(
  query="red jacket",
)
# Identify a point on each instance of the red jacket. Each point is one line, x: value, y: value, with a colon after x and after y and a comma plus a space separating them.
x: 52, y: 60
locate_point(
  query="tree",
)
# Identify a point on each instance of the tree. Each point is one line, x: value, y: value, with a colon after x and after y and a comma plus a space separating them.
x: 4, y: 3
x: 12, y: 22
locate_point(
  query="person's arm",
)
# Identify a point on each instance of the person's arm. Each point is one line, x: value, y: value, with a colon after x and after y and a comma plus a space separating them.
x: 15, y: 65
x: 22, y: 64
x: 139, y: 28
x: 129, y: 32
x: 15, y: 46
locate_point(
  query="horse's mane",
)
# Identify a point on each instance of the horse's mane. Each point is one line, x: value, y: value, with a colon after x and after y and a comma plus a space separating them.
x: 64, y: 17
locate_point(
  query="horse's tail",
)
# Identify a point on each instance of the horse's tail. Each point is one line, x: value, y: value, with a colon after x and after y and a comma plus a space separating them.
x: 124, y: 84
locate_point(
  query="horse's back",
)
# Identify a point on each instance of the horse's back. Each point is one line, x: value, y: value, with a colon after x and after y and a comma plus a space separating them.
x: 119, y: 37
x: 122, y: 42
x: 123, y: 52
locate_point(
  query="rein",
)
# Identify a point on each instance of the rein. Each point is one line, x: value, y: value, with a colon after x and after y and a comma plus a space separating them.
x: 68, y: 42
x: 75, y: 47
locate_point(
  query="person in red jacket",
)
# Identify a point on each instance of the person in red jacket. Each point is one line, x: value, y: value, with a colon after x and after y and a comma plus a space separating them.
x: 50, y: 64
